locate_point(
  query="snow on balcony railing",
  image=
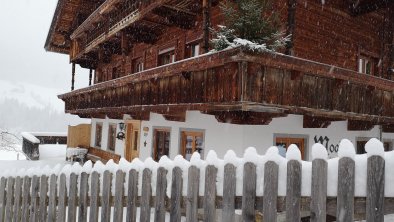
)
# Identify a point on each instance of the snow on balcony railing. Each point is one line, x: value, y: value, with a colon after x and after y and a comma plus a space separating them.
x: 30, y: 137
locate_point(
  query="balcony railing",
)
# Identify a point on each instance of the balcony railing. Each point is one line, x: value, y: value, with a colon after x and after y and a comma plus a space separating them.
x: 238, y: 80
x: 129, y: 12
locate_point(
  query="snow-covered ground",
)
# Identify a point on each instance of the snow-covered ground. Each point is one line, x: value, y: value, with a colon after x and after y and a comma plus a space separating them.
x: 50, y: 155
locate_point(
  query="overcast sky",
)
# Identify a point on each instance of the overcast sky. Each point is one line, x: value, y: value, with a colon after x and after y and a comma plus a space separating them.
x: 24, y: 26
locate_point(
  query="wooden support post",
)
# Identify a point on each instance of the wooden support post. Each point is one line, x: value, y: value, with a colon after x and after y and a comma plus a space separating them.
x: 290, y: 25
x: 72, y: 76
x: 90, y: 76
x: 207, y: 23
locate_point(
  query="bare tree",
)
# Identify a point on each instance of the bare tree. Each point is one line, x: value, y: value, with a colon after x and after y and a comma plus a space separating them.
x: 9, y: 141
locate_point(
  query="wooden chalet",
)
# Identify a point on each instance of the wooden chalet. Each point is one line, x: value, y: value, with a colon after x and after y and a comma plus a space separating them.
x: 154, y: 79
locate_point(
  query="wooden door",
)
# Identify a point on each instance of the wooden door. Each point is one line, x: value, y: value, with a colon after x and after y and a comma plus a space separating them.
x: 192, y: 141
x: 285, y: 142
x: 132, y: 143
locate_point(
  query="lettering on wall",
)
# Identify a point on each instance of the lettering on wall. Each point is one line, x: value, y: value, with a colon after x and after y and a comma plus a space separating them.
x: 332, y: 148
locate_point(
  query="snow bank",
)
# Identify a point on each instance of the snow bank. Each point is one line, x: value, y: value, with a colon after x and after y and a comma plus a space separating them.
x: 48, y: 151
x: 346, y: 149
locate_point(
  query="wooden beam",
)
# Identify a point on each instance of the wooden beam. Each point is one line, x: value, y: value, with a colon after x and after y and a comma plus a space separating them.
x: 354, y: 125
x: 178, y: 117
x: 72, y: 76
x: 317, y: 122
x: 388, y: 128
x: 176, y: 17
x: 90, y: 76
x: 244, y: 117
x: 369, y: 6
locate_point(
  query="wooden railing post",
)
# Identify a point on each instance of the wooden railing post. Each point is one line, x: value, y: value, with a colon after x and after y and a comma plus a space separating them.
x: 319, y: 190
x: 249, y: 192
x: 72, y: 76
x: 229, y: 191
x: 293, y: 191
x: 345, y: 196
x: 210, y: 194
x: 193, y: 183
x: 375, y: 189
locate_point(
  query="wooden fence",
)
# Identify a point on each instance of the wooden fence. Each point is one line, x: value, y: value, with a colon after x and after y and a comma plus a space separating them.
x: 89, y: 196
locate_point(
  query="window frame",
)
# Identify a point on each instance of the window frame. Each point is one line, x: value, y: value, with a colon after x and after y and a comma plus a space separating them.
x: 111, y: 144
x: 191, y: 132
x: 98, y: 139
x: 170, y: 51
x: 154, y: 153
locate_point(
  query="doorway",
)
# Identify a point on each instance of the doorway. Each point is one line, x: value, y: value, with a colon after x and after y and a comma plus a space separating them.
x: 132, y: 143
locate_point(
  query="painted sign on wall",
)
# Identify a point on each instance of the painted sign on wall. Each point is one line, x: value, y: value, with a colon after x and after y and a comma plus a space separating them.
x: 332, y: 148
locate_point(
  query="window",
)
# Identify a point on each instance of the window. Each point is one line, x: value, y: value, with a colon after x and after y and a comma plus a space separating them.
x: 138, y: 65
x: 111, y: 136
x: 284, y: 142
x: 166, y: 56
x: 161, y: 143
x: 192, y: 141
x: 99, y: 130
x: 367, y: 65
x: 361, y: 145
x: 192, y: 50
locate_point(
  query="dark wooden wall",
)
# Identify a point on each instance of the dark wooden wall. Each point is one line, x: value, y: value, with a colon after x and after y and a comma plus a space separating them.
x: 324, y: 33
x: 329, y: 34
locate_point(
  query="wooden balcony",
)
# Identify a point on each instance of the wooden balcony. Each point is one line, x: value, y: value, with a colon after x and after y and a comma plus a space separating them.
x: 131, y: 16
x: 243, y: 88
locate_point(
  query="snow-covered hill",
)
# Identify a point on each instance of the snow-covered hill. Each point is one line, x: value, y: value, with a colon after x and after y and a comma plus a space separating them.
x: 32, y: 96
x: 28, y: 107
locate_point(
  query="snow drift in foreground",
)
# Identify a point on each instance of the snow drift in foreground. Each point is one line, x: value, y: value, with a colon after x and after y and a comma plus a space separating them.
x: 346, y: 149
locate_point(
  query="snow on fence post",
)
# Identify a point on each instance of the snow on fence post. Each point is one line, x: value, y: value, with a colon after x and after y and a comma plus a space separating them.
x: 132, y: 193
x: 146, y: 194
x: 375, y: 189
x: 319, y: 183
x: 229, y: 189
x: 345, y: 196
x: 249, y: 192
x: 271, y: 170
x: 192, y: 194
x: 176, y: 195
x: 3, y: 186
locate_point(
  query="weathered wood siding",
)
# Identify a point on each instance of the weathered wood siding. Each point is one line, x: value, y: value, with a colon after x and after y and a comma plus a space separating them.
x: 329, y: 34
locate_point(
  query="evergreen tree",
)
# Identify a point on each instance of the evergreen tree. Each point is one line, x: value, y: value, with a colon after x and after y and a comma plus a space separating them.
x: 252, y: 20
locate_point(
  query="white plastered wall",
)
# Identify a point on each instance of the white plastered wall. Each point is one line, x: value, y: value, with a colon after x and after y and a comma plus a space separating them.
x: 223, y: 136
